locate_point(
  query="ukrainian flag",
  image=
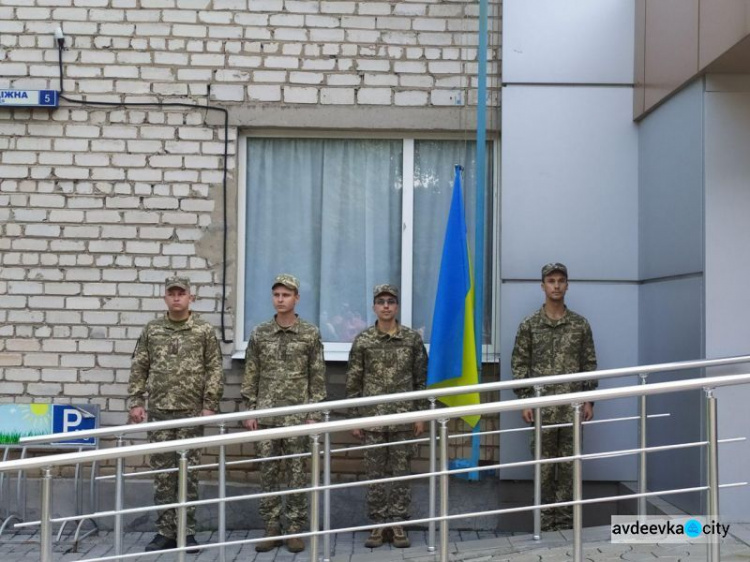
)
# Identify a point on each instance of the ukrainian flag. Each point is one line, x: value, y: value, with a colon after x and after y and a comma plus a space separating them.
x: 453, y: 354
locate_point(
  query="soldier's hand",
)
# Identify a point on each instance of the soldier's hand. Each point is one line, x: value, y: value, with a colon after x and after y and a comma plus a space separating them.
x: 207, y: 412
x: 357, y: 433
x: 418, y: 428
x: 588, y: 411
x: 137, y: 414
x: 528, y: 415
x: 251, y: 424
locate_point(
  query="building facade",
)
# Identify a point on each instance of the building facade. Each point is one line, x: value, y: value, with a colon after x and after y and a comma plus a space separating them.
x: 344, y: 122
x: 619, y: 156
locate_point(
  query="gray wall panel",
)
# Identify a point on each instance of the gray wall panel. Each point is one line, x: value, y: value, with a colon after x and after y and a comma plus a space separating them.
x: 612, y: 310
x: 586, y: 41
x: 671, y: 187
x: 570, y: 182
x: 727, y: 271
x: 671, y: 329
x: 670, y: 247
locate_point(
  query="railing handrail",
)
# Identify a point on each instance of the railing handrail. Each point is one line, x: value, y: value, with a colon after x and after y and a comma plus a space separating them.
x: 408, y: 477
x: 372, y: 421
x: 223, y: 419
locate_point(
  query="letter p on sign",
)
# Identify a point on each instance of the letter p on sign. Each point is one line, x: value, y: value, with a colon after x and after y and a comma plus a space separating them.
x: 71, y: 420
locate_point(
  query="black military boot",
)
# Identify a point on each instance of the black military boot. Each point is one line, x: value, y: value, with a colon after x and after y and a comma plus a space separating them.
x: 160, y: 542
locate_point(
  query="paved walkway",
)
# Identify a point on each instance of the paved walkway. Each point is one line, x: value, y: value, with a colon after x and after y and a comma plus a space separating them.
x: 465, y: 546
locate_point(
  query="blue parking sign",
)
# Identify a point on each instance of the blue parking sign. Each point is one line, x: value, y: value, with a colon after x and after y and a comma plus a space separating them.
x: 69, y: 419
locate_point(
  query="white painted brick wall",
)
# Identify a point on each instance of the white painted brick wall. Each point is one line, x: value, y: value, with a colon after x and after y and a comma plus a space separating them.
x: 98, y: 205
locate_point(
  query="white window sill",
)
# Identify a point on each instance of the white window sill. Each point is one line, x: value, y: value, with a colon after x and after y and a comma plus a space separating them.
x: 340, y: 352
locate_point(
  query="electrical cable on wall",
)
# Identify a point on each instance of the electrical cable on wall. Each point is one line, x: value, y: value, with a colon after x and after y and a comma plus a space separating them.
x: 60, y: 40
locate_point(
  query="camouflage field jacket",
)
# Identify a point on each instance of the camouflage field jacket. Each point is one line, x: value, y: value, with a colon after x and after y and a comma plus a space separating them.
x: 553, y: 347
x: 284, y: 367
x: 177, y: 365
x: 381, y: 363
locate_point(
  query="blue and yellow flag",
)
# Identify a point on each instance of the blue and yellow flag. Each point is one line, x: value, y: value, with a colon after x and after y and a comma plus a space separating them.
x: 453, y: 354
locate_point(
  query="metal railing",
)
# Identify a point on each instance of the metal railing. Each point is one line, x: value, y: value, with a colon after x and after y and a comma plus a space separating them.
x: 79, y: 480
x: 430, y: 394
x: 222, y: 420
x: 439, y: 416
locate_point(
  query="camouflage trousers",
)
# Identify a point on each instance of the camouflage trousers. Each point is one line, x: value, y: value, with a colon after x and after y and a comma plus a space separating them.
x: 293, y: 473
x: 388, y: 501
x: 166, y: 483
x: 557, y: 478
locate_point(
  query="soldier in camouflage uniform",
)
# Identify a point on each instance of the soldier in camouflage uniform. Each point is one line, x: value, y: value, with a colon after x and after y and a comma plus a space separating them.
x: 283, y: 367
x: 177, y: 365
x: 387, y: 358
x: 555, y: 341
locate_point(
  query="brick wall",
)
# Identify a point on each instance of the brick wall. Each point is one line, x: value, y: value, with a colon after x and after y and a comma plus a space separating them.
x: 99, y: 204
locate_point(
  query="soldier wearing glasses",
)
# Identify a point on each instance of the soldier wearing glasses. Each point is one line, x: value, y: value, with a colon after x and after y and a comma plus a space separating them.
x: 177, y: 364
x: 387, y: 358
x: 555, y: 341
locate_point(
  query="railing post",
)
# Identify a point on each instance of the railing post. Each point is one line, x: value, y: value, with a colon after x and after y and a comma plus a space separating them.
x: 577, y: 484
x: 327, y: 492
x: 642, y: 474
x: 119, y: 483
x: 444, y: 528
x: 5, y: 506
x: 432, y: 481
x: 77, y: 476
x: 712, y: 471
x: 314, y: 496
x: 94, y: 489
x: 21, y: 488
x: 537, y: 466
x: 46, y: 524
x: 182, y: 486
x: 222, y: 496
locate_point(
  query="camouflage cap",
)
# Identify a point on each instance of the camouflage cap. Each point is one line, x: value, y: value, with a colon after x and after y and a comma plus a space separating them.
x: 177, y: 281
x: 289, y: 281
x: 552, y: 267
x: 385, y: 288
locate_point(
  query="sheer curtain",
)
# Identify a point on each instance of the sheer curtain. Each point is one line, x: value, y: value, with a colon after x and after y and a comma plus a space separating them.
x: 329, y: 212
x: 434, y: 162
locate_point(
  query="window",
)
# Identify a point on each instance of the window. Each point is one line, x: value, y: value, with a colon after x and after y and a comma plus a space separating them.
x: 344, y: 214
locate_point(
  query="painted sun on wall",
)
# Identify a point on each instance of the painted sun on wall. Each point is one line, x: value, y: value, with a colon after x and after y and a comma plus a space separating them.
x: 24, y: 420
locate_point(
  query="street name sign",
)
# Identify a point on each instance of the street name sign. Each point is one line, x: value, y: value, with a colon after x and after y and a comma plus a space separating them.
x: 29, y: 98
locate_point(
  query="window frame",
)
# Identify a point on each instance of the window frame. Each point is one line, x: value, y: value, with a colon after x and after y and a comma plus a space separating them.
x: 339, y: 351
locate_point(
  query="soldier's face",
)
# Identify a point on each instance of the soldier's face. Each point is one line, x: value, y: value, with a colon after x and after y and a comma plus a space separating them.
x: 284, y: 299
x: 178, y: 300
x: 385, y: 307
x: 555, y: 285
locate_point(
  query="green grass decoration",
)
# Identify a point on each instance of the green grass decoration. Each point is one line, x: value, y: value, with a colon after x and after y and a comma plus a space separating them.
x: 14, y: 438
